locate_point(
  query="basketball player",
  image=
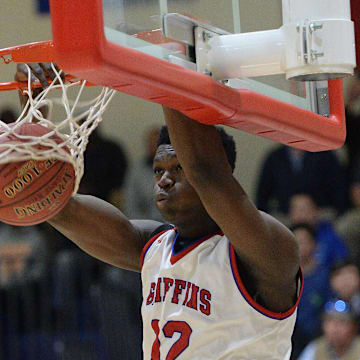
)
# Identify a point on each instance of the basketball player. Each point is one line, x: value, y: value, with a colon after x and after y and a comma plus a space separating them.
x: 221, y: 279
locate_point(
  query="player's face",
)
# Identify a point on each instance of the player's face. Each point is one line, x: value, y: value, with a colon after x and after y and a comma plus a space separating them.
x: 175, y: 198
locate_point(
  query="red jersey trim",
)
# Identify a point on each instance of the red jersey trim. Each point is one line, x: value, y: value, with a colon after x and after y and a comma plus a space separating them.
x: 184, y: 252
x: 250, y: 300
x: 148, y: 245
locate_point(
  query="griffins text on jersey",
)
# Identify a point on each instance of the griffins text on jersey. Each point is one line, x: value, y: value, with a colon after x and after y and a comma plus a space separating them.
x: 180, y: 292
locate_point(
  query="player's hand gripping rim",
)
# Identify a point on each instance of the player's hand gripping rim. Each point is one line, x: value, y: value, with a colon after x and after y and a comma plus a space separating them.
x: 42, y: 72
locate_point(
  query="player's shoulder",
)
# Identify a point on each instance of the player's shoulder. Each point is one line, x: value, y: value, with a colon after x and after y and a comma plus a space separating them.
x: 146, y: 229
x: 155, y: 235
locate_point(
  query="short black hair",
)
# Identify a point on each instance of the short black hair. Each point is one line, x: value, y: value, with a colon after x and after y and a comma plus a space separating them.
x: 308, y: 194
x: 310, y: 229
x: 340, y: 264
x: 227, y: 141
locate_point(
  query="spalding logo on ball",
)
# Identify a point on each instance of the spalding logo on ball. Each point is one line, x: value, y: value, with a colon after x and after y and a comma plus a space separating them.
x: 33, y: 191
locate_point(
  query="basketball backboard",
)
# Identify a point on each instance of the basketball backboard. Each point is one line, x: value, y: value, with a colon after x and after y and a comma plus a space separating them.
x: 146, y: 48
x: 124, y: 18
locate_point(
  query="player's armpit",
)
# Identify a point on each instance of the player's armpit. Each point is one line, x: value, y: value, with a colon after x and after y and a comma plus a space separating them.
x: 102, y: 231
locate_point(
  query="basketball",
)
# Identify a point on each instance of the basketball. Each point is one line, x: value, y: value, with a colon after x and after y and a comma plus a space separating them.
x: 33, y: 191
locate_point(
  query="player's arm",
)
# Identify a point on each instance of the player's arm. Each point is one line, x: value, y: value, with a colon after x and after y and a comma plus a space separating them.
x: 264, y: 246
x: 97, y: 227
x: 101, y: 230
x: 38, y: 71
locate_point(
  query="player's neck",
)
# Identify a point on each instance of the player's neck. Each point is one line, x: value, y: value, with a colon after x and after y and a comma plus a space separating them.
x: 183, y: 241
x: 197, y: 229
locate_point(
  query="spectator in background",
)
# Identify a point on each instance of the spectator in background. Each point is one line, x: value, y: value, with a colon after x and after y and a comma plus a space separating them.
x: 345, y: 283
x: 340, y: 340
x: 287, y: 171
x: 119, y: 304
x: 24, y: 253
x: 316, y: 291
x: 105, y: 165
x: 140, y: 195
x: 330, y: 247
x: 348, y: 225
x: 26, y: 256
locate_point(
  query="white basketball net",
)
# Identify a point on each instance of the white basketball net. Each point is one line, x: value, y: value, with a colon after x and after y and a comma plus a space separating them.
x: 71, y: 130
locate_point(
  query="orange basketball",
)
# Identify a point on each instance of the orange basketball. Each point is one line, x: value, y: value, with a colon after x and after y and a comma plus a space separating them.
x: 33, y: 191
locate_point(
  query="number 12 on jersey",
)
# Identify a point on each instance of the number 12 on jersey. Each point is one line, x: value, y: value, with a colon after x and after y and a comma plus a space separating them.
x: 171, y: 327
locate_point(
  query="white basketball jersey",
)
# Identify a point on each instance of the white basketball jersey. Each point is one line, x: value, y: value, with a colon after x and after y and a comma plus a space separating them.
x: 195, y: 306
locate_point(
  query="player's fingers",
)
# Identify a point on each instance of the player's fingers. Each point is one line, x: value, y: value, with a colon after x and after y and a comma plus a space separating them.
x: 58, y: 70
x: 39, y: 73
x: 48, y: 71
x: 22, y: 73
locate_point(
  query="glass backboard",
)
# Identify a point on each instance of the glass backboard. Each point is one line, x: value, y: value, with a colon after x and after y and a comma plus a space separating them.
x: 124, y: 18
x: 120, y: 44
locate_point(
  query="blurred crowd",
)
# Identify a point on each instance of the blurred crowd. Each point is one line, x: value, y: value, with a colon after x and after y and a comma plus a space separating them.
x: 56, y: 302
x: 317, y: 195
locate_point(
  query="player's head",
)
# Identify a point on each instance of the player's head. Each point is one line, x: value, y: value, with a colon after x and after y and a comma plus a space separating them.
x: 227, y: 141
x: 175, y: 198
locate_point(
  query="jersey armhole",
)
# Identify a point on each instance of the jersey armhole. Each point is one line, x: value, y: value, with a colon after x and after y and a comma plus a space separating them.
x: 251, y: 301
x: 154, y: 235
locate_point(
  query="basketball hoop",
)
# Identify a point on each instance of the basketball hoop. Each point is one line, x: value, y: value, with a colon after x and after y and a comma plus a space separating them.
x: 67, y: 138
